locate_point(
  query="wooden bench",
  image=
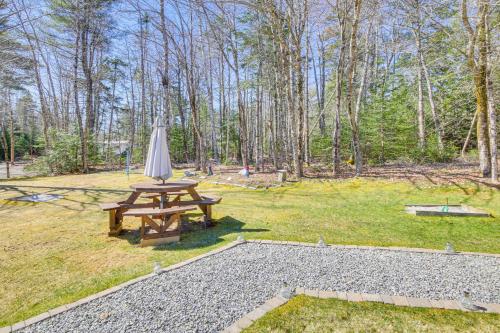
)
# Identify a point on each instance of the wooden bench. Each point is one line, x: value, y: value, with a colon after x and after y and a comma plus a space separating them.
x: 211, y: 199
x: 116, y: 210
x: 169, y: 229
x: 205, y: 203
x: 109, y: 206
x: 115, y: 217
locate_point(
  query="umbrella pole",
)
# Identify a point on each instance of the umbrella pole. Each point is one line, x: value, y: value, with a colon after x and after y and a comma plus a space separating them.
x: 162, y: 200
x: 162, y: 197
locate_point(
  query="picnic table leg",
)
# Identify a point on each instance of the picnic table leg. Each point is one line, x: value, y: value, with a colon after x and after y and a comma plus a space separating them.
x: 143, y: 230
x: 172, y: 219
x: 115, y: 222
x: 132, y: 198
x: 143, y: 227
x: 116, y: 217
x: 197, y: 197
x: 209, y: 212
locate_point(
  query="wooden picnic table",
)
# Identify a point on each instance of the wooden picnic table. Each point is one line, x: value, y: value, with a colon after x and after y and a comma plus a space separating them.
x: 161, y: 221
x: 164, y: 187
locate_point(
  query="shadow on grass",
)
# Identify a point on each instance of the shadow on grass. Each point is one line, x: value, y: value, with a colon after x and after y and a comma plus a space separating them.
x: 93, y: 196
x: 195, y: 235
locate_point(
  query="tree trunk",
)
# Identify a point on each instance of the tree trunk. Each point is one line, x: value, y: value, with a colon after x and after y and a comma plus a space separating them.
x: 81, y: 130
x: 89, y: 81
x: 143, y: 92
x: 300, y: 135
x: 320, y: 85
x: 420, y: 110
x: 338, y: 101
x: 492, y: 116
x: 165, y: 79
x: 479, y: 72
x: 110, y: 135
x: 417, y: 32
x: 258, y: 119
x: 228, y: 117
x: 435, y: 116
x: 469, y: 134
x: 182, y: 116
x: 350, y: 90
x: 89, y: 104
x: 241, y: 113
x: 11, y: 130
x: 492, y: 121
x: 211, y: 109
x: 482, y: 124
x: 46, y: 63
x: 305, y: 136
x: 38, y: 80
x: 5, y: 147
x: 339, y: 79
x: 132, y: 111
x: 364, y: 76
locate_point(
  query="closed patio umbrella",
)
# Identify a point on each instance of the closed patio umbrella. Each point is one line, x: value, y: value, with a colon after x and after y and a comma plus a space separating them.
x: 158, y: 164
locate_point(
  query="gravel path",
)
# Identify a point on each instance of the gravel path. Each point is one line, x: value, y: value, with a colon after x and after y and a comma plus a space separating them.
x: 210, y: 294
x: 16, y: 170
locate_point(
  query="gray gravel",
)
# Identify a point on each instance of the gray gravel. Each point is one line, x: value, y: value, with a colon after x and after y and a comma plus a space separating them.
x: 210, y: 294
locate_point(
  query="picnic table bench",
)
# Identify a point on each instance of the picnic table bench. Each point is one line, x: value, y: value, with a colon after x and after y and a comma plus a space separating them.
x: 167, y: 230
x: 166, y: 212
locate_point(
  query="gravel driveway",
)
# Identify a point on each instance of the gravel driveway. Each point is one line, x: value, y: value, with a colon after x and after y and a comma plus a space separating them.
x: 16, y: 170
x: 210, y: 294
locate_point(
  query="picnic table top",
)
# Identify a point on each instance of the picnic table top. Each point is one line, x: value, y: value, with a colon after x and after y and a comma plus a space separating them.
x: 159, y: 187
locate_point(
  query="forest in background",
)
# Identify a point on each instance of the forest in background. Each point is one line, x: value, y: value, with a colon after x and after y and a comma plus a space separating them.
x: 268, y: 83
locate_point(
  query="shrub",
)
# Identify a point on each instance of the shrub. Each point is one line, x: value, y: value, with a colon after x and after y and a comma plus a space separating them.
x: 63, y: 158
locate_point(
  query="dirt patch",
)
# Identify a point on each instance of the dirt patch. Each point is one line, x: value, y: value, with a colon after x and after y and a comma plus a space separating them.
x: 229, y: 175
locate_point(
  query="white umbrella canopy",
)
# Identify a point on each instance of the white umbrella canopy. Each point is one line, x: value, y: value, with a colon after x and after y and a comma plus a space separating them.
x: 158, y: 164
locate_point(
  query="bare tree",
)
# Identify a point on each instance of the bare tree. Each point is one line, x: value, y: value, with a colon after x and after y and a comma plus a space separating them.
x: 477, y: 61
x: 165, y: 80
x: 350, y: 88
x: 492, y: 112
x: 5, y: 147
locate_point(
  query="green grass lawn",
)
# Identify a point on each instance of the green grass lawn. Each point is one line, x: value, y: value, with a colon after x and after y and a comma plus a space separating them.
x: 305, y: 314
x: 57, y: 252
